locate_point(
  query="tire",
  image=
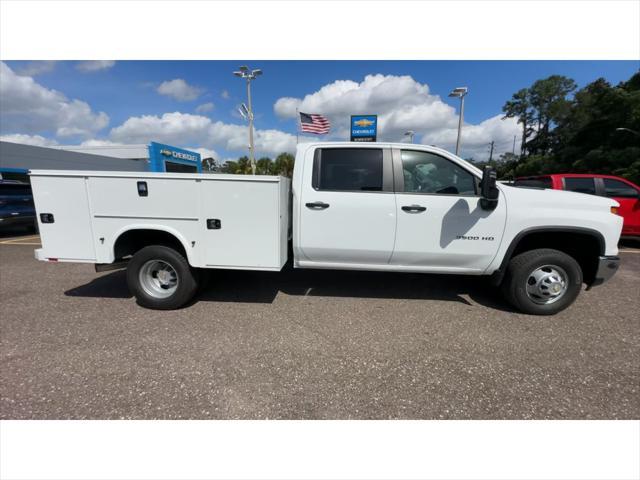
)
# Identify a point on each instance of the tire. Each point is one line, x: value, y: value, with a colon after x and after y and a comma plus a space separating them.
x: 542, y: 281
x: 160, y: 278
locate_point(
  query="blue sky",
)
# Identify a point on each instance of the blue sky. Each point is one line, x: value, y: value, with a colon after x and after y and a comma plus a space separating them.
x: 125, y: 102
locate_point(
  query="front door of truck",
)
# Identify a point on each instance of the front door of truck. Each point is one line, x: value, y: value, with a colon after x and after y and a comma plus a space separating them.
x: 441, y: 226
x: 347, y: 208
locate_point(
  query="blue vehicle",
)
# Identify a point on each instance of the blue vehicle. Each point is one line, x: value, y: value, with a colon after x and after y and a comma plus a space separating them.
x: 16, y: 206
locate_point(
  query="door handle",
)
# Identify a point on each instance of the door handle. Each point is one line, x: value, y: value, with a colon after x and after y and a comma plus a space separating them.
x: 317, y: 205
x: 414, y: 208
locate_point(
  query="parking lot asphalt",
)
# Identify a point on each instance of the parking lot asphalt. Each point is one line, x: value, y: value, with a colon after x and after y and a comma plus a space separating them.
x: 305, y: 344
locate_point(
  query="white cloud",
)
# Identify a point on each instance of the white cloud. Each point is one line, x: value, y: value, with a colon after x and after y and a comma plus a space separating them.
x: 90, y: 66
x: 36, y: 140
x: 186, y: 129
x: 401, y: 104
x: 204, y: 152
x: 30, y: 108
x: 179, y: 90
x: 37, y: 67
x: 475, y: 139
x: 205, y: 107
x: 225, y: 94
x: 96, y: 142
x: 171, y: 128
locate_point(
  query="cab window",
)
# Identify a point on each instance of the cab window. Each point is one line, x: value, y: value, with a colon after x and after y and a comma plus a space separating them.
x: 580, y: 185
x: 348, y: 169
x: 426, y: 172
x: 616, y: 188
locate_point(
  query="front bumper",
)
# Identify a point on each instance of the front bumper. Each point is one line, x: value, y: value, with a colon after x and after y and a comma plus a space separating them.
x: 607, y: 267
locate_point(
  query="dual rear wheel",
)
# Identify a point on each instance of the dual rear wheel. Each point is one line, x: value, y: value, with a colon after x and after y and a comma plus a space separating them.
x: 161, y: 278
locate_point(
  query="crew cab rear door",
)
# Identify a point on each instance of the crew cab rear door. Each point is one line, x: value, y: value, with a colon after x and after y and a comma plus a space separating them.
x: 441, y: 226
x: 347, y: 209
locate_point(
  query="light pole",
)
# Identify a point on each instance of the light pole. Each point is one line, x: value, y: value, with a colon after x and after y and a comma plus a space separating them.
x: 244, y: 72
x: 410, y: 134
x: 459, y: 92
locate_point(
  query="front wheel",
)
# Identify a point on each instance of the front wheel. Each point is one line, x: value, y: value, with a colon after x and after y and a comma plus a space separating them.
x: 161, y: 278
x: 542, y: 281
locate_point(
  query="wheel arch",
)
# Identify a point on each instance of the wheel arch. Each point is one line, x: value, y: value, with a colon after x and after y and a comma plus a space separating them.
x: 132, y: 238
x: 559, y: 238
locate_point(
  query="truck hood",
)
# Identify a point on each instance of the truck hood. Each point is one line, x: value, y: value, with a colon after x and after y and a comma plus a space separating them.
x: 561, y: 198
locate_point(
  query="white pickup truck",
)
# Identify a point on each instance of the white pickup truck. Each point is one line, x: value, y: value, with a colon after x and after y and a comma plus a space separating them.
x: 377, y: 206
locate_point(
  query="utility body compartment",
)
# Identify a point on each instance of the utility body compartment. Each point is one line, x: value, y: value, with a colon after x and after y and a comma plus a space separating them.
x: 222, y: 221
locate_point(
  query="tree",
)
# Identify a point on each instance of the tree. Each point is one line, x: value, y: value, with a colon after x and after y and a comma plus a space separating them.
x: 210, y: 165
x: 578, y: 135
x: 229, y: 167
x: 520, y: 107
x: 507, y: 157
x: 264, y: 166
x: 548, y: 100
x: 243, y: 166
x: 284, y: 165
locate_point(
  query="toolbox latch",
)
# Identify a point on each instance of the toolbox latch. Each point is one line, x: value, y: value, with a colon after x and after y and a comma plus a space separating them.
x: 214, y: 224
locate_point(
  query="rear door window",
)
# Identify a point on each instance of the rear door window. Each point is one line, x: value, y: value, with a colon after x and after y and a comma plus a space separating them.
x: 616, y: 188
x: 349, y: 169
x: 580, y: 185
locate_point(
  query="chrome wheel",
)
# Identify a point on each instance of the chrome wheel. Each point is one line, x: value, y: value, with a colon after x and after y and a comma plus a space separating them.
x: 158, y: 278
x: 547, y: 284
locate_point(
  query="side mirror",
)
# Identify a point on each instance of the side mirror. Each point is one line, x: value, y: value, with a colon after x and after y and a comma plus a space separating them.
x: 488, y: 191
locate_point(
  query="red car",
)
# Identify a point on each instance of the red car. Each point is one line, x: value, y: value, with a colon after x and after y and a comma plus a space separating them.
x: 626, y: 193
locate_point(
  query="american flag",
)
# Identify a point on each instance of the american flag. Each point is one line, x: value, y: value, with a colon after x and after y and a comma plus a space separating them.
x: 312, y: 123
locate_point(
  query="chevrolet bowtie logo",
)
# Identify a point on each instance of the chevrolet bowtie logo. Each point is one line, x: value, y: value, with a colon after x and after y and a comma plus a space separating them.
x: 166, y: 152
x: 363, y: 123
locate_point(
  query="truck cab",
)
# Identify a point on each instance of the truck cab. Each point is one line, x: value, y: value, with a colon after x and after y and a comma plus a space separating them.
x: 391, y: 207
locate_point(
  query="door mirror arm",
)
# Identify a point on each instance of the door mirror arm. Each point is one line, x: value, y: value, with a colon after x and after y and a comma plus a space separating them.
x: 488, y: 191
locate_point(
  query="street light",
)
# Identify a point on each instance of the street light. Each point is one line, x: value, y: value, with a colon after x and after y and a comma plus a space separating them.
x: 410, y: 134
x: 623, y: 129
x: 246, y: 73
x: 459, y: 92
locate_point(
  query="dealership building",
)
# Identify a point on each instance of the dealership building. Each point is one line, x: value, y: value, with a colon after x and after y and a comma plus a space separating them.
x: 17, y: 159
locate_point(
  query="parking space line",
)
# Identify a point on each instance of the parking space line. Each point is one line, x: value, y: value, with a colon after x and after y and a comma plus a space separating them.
x: 25, y: 237
x: 629, y: 251
x: 19, y: 243
x: 14, y: 241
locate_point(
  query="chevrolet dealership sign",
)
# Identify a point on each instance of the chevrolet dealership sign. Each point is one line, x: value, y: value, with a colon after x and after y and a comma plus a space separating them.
x: 165, y: 158
x: 182, y: 155
x: 364, y: 128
